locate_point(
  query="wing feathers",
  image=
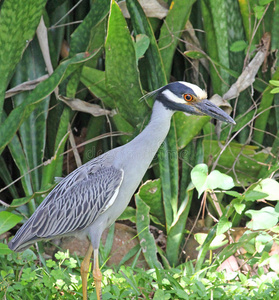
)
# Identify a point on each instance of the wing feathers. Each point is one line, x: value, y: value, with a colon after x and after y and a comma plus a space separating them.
x: 71, y: 206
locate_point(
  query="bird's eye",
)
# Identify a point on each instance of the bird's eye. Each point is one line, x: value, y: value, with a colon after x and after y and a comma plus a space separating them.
x: 188, y: 97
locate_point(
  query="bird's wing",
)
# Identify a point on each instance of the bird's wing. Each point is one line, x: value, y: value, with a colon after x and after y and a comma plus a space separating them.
x: 72, y: 205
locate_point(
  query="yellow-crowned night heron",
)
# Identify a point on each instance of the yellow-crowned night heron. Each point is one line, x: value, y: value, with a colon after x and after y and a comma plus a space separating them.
x: 93, y: 196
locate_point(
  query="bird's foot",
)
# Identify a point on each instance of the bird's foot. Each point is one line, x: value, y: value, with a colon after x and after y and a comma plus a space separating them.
x: 97, y: 275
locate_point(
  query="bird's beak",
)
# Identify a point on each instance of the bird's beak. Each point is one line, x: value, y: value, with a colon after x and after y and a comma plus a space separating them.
x: 205, y: 107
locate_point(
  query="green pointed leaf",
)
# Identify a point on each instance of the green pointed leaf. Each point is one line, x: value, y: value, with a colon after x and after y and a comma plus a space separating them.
x: 217, y: 179
x: 262, y: 240
x: 195, y: 54
x: 128, y: 214
x: 141, y: 45
x: 216, y: 29
x: 275, y: 91
x: 223, y: 225
x: 216, y: 242
x: 275, y: 229
x: 21, y: 201
x: 238, y: 46
x: 8, y: 221
x: 252, y: 195
x: 239, y: 207
x: 168, y: 163
x: 4, y: 249
x: 233, y: 194
x: 122, y: 76
x: 199, y: 176
x: 274, y: 82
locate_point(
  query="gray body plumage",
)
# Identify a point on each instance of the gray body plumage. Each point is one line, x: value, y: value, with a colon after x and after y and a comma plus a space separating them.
x: 93, y: 196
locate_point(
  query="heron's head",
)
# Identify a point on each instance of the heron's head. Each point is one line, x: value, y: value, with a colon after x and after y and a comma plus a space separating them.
x: 189, y: 98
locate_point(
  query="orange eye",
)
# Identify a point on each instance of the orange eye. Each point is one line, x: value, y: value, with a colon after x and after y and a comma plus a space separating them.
x: 188, y: 97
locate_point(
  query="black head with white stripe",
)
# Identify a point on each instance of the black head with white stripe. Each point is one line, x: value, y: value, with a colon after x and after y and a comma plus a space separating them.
x: 189, y: 98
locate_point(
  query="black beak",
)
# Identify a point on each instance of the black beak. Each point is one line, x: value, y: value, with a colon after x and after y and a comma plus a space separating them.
x: 207, y: 108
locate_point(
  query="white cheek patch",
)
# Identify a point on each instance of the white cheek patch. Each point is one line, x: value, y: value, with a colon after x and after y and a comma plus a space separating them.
x: 173, y: 97
x: 201, y: 94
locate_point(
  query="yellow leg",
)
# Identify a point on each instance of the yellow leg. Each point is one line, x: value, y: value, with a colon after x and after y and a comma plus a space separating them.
x: 84, y: 269
x: 97, y: 274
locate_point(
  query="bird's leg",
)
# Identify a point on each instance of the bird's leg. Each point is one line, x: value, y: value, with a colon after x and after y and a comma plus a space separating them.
x: 84, y: 269
x: 97, y: 274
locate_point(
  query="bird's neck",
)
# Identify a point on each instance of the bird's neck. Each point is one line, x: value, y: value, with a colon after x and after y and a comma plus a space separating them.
x: 151, y: 138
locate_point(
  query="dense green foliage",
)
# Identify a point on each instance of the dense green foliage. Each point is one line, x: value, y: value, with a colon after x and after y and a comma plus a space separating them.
x: 112, y: 61
x: 59, y: 279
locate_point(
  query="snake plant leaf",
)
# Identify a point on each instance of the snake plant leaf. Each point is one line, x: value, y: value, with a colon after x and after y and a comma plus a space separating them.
x: 19, y: 158
x: 22, y: 112
x: 156, y: 77
x: 155, y: 71
x: 176, y: 232
x: 32, y: 131
x: 171, y: 30
x: 187, y: 127
x: 194, y: 54
x: 6, y: 177
x: 150, y: 192
x: 94, y: 80
x: 81, y: 36
x: 215, y: 24
x: 18, y: 23
x: 53, y: 167
x: 146, y: 239
x: 21, y: 201
x: 122, y: 76
x: 80, y: 39
x: 246, y: 168
x: 264, y: 112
